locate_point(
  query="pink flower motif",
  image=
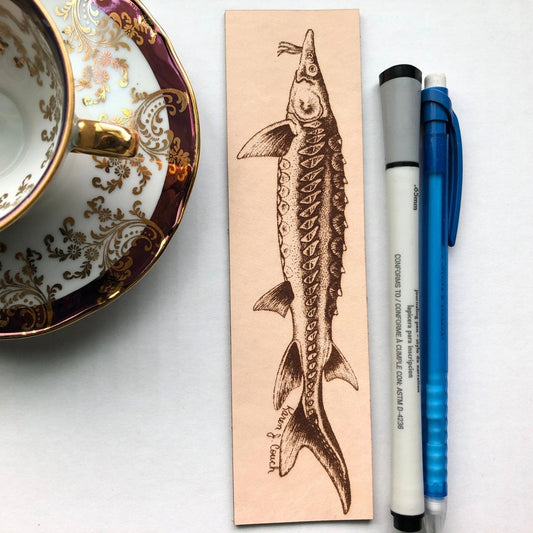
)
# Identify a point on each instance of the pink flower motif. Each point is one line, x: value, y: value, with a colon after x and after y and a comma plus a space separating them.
x: 105, y: 58
x: 101, y: 76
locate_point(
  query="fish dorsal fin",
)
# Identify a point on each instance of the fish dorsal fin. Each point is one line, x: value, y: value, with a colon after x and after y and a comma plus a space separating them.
x: 277, y: 299
x: 337, y: 367
x: 272, y: 141
x: 289, y: 374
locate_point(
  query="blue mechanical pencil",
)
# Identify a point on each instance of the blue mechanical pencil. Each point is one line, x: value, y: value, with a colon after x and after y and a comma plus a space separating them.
x: 440, y: 198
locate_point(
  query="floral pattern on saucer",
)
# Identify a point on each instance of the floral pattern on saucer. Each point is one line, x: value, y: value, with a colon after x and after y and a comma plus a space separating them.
x: 107, y: 225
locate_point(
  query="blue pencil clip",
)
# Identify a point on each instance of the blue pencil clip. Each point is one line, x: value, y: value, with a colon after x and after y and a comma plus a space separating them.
x: 437, y: 106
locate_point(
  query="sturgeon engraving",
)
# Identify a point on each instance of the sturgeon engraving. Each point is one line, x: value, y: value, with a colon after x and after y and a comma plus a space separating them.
x: 311, y: 224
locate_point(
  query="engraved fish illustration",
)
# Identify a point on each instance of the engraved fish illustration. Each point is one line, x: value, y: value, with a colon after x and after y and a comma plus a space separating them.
x: 311, y: 223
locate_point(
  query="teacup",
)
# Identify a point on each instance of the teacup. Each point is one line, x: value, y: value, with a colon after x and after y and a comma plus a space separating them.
x: 38, y: 125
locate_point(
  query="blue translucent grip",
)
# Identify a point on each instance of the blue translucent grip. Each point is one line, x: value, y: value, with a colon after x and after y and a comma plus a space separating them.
x: 436, y: 460
x: 440, y: 190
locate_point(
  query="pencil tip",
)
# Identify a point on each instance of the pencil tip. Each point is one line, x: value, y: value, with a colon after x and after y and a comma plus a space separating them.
x: 435, y: 515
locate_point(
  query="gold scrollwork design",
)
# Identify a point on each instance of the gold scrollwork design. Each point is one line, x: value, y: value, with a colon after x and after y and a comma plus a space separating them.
x: 25, y: 186
x: 148, y: 120
x: 121, y: 170
x: 158, y: 144
x: 88, y: 31
x: 39, y: 61
x: 51, y: 111
x: 136, y: 28
x: 107, y: 246
x: 41, y: 66
x: 94, y: 36
x: 23, y: 293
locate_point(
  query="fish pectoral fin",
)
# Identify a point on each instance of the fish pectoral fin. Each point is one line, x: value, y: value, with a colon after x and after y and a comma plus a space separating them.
x: 272, y: 141
x: 300, y: 432
x: 277, y: 299
x: 337, y: 367
x: 289, y: 374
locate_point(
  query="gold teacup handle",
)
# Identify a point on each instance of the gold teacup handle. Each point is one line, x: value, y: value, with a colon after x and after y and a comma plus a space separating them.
x: 101, y: 138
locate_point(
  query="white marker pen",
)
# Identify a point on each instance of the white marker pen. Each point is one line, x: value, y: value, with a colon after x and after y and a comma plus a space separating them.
x: 400, y: 88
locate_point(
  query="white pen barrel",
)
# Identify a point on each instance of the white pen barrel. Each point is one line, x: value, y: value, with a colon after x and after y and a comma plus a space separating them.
x: 400, y: 102
x: 407, y: 496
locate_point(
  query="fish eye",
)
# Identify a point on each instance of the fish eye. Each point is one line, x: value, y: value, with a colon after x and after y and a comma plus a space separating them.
x: 312, y: 69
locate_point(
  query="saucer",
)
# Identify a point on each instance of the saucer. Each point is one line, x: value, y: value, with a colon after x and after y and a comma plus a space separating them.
x: 103, y: 222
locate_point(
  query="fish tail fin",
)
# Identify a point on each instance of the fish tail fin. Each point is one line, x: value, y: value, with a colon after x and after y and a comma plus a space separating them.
x: 319, y: 438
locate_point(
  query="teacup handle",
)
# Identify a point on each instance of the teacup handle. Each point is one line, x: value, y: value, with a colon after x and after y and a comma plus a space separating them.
x: 101, y: 138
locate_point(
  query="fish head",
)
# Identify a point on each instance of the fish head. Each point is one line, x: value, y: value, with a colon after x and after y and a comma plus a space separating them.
x: 308, y: 99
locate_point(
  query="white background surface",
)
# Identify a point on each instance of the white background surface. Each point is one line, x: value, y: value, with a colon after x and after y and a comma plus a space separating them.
x: 122, y: 422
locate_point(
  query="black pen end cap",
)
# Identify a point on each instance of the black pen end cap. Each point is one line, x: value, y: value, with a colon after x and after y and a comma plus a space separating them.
x: 400, y: 71
x: 407, y: 523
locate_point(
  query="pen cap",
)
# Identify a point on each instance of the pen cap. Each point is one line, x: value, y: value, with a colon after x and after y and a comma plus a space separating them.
x: 400, y: 87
